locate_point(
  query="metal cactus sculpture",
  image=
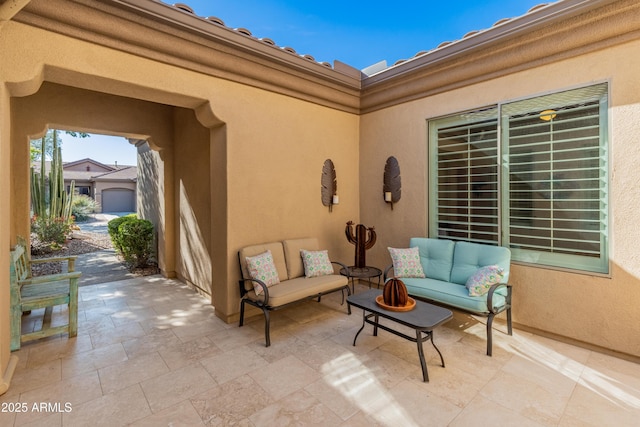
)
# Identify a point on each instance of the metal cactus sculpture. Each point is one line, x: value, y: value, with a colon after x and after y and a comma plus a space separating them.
x: 364, y: 239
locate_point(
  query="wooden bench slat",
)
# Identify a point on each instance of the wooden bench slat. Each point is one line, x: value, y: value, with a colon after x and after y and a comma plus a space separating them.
x: 31, y: 293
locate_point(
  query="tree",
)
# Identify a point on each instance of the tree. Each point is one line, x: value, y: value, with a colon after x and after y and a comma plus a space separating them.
x: 48, y: 140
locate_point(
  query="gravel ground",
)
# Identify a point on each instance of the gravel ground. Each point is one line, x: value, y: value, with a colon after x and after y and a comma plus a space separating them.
x: 81, y: 242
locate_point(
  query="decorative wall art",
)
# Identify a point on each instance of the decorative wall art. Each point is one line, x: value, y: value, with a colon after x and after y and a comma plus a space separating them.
x: 392, y: 184
x: 329, y: 185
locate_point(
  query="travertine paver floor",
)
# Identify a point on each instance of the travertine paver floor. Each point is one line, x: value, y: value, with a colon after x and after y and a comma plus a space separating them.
x: 151, y: 352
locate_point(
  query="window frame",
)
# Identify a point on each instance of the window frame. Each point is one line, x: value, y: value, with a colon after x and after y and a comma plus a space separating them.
x: 542, y: 259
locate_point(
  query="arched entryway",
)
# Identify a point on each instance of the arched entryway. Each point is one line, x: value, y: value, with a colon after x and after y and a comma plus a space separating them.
x: 175, y: 192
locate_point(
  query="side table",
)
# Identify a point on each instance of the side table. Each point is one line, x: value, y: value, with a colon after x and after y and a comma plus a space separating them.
x: 367, y: 272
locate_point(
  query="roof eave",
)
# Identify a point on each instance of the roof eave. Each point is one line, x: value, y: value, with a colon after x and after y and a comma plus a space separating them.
x: 339, y: 73
x: 518, y: 26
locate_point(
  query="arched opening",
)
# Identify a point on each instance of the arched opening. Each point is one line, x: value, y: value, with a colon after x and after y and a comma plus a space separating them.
x: 175, y: 171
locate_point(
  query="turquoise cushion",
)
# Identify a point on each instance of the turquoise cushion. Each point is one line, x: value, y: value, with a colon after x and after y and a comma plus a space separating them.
x: 451, y: 294
x: 469, y: 257
x: 436, y: 256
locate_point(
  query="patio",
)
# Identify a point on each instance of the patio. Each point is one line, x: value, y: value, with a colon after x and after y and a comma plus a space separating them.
x: 151, y: 352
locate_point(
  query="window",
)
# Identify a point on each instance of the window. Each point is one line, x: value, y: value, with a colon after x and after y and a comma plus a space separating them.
x: 530, y: 175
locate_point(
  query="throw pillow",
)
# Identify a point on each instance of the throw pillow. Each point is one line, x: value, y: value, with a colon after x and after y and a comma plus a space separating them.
x: 263, y: 268
x: 406, y: 262
x: 480, y: 281
x: 316, y: 263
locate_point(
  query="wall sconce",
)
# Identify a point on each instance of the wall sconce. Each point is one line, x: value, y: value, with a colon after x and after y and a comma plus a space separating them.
x: 329, y: 185
x: 391, y: 187
x: 548, y: 115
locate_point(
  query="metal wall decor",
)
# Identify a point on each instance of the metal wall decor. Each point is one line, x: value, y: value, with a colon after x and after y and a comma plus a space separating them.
x: 391, y: 188
x: 329, y: 185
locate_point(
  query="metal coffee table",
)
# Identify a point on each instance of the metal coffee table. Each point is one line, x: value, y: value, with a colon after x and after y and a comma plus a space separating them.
x: 422, y: 319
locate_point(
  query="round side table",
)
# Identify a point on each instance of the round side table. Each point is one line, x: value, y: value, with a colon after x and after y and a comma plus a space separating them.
x: 366, y: 272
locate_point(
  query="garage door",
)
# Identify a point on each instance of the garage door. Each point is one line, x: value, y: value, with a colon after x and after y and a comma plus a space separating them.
x: 118, y: 200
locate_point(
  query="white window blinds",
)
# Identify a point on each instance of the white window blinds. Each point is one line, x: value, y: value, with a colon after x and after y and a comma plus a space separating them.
x: 556, y: 189
x: 465, y: 187
x: 535, y: 180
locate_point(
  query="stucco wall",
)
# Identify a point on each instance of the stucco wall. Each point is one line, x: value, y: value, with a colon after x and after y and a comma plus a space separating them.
x: 598, y: 310
x: 276, y: 147
x: 193, y: 200
x: 5, y: 332
x: 239, y: 140
x: 247, y: 171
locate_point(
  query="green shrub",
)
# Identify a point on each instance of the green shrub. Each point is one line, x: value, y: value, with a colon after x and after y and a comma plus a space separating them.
x: 136, y: 242
x: 114, y: 225
x: 51, y: 231
x: 82, y: 206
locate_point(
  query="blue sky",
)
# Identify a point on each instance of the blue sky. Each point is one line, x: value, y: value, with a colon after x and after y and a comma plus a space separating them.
x: 360, y: 33
x: 357, y: 33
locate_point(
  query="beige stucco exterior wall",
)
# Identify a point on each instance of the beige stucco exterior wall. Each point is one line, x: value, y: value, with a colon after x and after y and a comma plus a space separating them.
x: 598, y: 310
x: 5, y: 332
x: 236, y: 165
x: 276, y: 147
x: 238, y: 141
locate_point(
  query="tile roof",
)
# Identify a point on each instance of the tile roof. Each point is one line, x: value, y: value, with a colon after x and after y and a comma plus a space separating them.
x: 474, y: 32
x: 373, y: 68
x: 127, y: 173
x: 245, y: 32
x: 118, y: 172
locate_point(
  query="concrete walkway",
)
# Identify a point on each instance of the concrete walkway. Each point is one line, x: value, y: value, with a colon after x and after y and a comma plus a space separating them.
x: 101, y: 266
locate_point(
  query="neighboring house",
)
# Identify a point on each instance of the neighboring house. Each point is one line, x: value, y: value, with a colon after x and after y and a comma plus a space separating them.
x: 237, y: 130
x: 112, y: 186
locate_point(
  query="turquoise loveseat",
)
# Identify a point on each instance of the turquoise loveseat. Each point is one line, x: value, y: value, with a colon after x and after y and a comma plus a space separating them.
x: 448, y: 265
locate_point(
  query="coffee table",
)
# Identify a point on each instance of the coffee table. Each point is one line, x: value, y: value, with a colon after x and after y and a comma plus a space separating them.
x: 423, y: 319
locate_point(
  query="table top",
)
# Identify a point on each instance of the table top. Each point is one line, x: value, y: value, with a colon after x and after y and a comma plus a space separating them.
x: 424, y: 316
x: 361, y: 272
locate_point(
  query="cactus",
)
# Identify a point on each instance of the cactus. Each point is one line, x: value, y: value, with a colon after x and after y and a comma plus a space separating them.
x: 49, y: 199
x: 364, y: 239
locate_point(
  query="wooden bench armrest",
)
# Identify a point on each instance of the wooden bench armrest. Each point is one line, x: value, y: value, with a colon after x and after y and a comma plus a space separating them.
x: 71, y: 260
x: 50, y: 278
x: 54, y: 259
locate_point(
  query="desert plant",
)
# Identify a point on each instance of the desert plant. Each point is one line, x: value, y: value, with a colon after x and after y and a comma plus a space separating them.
x: 51, y: 203
x: 136, y: 241
x: 51, y: 231
x: 83, y: 206
x: 113, y: 229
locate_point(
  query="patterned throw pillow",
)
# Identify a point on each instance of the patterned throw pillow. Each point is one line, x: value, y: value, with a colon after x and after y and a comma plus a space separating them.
x: 316, y: 263
x: 263, y: 268
x: 480, y: 282
x: 406, y: 262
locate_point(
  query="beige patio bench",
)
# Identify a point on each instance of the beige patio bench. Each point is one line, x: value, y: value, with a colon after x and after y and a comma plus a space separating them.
x: 275, y: 276
x: 32, y: 293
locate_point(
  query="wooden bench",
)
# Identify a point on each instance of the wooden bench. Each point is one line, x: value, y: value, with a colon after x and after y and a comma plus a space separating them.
x: 32, y: 293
